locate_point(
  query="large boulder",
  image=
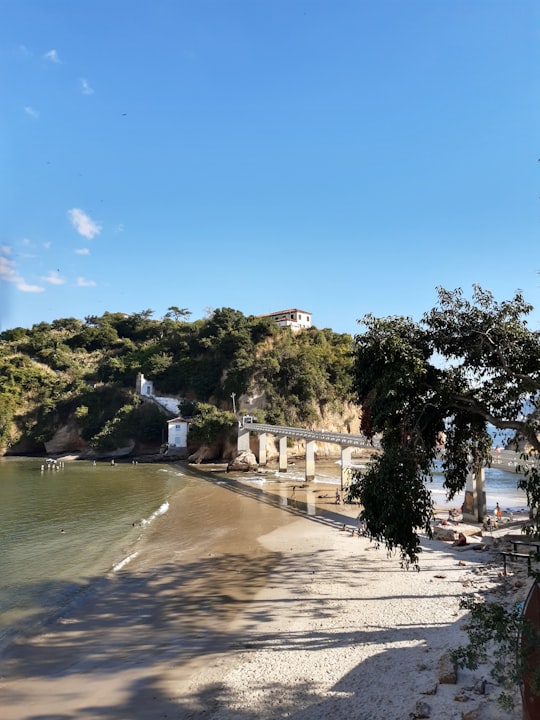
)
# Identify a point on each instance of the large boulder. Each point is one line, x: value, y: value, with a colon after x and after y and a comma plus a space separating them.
x: 203, y: 454
x: 243, y: 462
x: 447, y: 669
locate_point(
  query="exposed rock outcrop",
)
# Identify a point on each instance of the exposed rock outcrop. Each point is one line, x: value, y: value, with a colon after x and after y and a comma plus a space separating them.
x: 66, y: 440
x: 203, y: 454
x: 243, y: 462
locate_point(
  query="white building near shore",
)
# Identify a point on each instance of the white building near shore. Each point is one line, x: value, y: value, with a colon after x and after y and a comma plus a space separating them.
x: 177, y: 433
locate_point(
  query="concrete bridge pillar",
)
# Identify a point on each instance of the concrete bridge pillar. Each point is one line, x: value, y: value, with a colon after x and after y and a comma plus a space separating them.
x: 310, y: 460
x: 283, y: 454
x: 474, y: 507
x: 262, y: 449
x: 346, y: 458
x: 243, y: 439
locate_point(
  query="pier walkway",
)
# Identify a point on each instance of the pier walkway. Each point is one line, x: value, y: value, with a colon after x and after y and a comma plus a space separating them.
x: 475, y: 496
x: 346, y: 441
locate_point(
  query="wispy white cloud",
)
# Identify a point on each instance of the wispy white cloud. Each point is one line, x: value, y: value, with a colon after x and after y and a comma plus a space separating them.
x: 5, y: 250
x: 47, y: 244
x: 54, y: 278
x: 82, y: 282
x: 25, y: 287
x: 52, y: 56
x: 119, y: 228
x: 85, y: 87
x: 82, y: 251
x: 7, y: 269
x: 8, y: 273
x: 83, y: 224
x: 32, y: 112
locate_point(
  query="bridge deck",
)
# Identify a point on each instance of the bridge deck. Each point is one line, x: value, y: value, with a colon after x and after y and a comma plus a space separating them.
x: 507, y: 460
x: 343, y: 439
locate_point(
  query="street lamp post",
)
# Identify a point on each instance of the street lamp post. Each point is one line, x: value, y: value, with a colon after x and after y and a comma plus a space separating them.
x: 233, y: 395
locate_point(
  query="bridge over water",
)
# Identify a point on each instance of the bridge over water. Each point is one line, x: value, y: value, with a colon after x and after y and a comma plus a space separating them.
x: 475, y: 495
x: 347, y: 441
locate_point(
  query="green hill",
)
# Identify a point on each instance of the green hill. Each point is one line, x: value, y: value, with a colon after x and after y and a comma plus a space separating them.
x: 79, y: 376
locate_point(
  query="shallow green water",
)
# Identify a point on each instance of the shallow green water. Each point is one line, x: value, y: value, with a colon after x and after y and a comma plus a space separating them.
x: 60, y: 529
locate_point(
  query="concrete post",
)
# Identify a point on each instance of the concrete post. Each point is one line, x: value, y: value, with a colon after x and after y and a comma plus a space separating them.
x: 262, y: 449
x: 310, y: 460
x: 243, y: 440
x: 346, y: 458
x: 474, y: 507
x: 283, y: 454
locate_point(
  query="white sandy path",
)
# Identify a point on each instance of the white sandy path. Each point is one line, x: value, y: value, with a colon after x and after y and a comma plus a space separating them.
x: 342, y: 632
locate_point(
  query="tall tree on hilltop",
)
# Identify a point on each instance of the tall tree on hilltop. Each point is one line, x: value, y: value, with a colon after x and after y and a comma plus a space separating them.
x: 175, y: 313
x: 465, y: 367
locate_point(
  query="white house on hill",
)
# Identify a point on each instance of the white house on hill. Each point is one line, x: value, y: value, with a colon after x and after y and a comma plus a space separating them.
x: 145, y: 388
x: 294, y: 318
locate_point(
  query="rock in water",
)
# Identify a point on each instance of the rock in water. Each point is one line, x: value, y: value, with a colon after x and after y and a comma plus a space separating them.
x: 243, y: 462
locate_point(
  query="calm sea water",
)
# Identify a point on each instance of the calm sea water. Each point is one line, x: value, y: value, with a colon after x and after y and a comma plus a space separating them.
x: 61, y: 530
x: 501, y: 486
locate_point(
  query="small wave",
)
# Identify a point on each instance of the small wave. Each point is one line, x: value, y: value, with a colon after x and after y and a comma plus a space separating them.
x: 328, y: 480
x: 124, y: 562
x: 162, y: 509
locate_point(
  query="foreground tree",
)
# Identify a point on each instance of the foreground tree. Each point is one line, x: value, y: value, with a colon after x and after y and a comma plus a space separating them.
x: 465, y: 367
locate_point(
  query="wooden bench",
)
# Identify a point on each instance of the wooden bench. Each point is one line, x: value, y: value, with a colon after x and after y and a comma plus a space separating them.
x: 525, y: 543
x: 516, y: 556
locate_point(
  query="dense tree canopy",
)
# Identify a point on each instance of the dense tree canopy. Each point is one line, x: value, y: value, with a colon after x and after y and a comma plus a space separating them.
x: 86, y: 370
x: 467, y: 367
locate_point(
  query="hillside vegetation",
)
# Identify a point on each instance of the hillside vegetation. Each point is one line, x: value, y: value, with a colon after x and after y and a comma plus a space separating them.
x: 82, y: 374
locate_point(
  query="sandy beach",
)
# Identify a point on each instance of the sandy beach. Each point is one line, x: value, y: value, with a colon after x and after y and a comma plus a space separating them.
x: 289, y: 617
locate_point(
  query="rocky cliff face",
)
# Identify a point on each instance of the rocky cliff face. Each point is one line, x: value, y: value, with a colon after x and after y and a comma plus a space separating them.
x: 68, y: 441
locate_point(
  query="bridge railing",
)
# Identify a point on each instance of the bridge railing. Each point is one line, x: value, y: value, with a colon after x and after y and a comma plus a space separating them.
x: 343, y: 439
x: 512, y: 460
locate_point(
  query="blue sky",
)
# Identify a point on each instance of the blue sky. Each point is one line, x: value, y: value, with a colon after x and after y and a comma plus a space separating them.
x: 339, y: 156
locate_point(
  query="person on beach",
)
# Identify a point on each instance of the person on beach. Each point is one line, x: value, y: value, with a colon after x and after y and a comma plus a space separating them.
x: 338, y: 498
x: 460, y: 540
x: 498, y: 511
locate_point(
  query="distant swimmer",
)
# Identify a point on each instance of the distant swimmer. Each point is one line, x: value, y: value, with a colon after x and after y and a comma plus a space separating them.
x: 62, y: 530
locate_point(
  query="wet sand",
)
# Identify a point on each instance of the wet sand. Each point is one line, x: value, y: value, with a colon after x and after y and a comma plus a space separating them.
x: 271, y: 610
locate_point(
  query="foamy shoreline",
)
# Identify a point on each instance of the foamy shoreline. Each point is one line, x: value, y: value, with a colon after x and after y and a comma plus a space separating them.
x: 329, y: 627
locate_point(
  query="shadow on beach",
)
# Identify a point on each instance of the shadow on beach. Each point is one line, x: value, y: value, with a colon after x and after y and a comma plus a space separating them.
x: 153, y: 629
